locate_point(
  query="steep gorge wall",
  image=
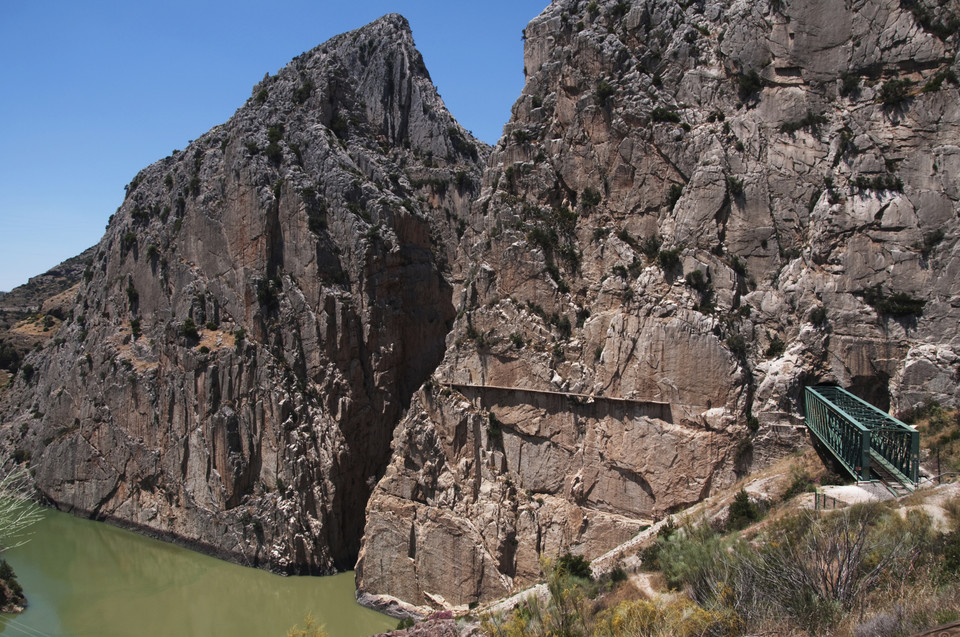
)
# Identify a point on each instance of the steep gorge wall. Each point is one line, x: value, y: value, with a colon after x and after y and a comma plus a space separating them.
x: 259, y: 312
x: 696, y: 209
x: 706, y: 205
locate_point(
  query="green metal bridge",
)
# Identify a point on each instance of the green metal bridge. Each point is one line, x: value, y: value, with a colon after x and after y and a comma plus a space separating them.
x: 869, y: 443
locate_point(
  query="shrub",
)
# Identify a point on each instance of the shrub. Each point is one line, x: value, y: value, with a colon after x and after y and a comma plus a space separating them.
x: 522, y: 136
x: 879, y: 182
x: 742, y: 512
x: 896, y: 304
x: 128, y: 240
x: 737, y: 345
x: 189, y: 329
x: 605, y: 91
x: 132, y: 295
x: 590, y: 197
x: 669, y: 259
x: 801, y: 482
x: 849, y: 84
x: 302, y: 93
x: 651, y: 246
x: 575, y: 566
x: 660, y: 114
x: 748, y: 84
x: 310, y: 629
x: 734, y: 186
x: 936, y: 82
x: 135, y: 327
x: 893, y: 92
x: 697, y: 281
x: 673, y: 195
x: 776, y: 348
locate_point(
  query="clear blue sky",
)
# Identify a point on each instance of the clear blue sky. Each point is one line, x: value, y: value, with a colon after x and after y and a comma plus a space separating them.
x: 96, y: 90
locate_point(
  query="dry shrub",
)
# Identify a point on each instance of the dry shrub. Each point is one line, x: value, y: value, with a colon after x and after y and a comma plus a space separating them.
x: 674, y: 616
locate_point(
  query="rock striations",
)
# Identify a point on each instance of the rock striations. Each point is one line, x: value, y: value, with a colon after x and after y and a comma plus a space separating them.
x: 696, y: 209
x: 259, y: 312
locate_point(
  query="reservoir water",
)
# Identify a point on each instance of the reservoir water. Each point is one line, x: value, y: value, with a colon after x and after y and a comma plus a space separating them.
x: 85, y: 578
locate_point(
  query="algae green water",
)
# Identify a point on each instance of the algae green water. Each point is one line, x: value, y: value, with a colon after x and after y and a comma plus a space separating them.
x: 87, y: 578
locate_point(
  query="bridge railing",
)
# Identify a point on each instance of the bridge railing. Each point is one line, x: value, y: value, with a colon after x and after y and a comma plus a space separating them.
x: 893, y: 443
x: 844, y: 436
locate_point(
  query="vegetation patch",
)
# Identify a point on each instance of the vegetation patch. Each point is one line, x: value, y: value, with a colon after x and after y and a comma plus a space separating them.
x: 895, y: 304
x: 893, y: 92
x: 879, y: 183
x: 748, y: 84
x: 660, y: 114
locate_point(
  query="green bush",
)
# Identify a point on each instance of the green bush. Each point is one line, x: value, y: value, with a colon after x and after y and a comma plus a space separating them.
x: 128, y: 240
x: 776, y: 348
x: 9, y: 358
x: 590, y: 197
x: 673, y: 195
x: 302, y: 93
x: 574, y: 566
x: 734, y: 186
x: 651, y: 246
x: 660, y: 114
x: 893, y: 92
x: 849, y: 84
x: 896, y: 304
x: 189, y: 329
x: 27, y: 372
x: 737, y: 345
x: 669, y: 259
x: 748, y: 84
x: 605, y: 91
x: 741, y: 512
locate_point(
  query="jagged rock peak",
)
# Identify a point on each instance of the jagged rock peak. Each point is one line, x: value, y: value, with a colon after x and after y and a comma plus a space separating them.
x: 259, y: 313
x: 374, y: 72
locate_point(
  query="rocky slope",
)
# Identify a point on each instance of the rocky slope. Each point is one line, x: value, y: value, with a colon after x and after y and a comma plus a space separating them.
x: 259, y: 312
x: 697, y: 208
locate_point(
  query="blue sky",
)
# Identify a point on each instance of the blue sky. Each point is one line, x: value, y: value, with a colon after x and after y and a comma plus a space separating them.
x: 96, y: 90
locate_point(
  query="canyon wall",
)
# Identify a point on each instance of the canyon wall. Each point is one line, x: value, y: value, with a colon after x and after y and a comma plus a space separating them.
x: 339, y: 299
x: 260, y: 310
x: 695, y: 210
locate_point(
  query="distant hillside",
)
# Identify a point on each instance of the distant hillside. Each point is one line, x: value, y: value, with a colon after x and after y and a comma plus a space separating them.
x: 16, y: 304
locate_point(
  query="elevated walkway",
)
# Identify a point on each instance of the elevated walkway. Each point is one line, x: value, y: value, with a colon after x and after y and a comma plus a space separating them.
x: 869, y: 443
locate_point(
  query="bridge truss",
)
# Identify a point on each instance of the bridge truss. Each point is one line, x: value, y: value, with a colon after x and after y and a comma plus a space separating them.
x: 866, y: 441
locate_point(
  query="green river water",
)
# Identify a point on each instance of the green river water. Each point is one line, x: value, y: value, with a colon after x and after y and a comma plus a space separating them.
x: 88, y: 578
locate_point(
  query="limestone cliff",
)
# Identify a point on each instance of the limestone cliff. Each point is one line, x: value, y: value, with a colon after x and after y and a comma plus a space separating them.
x: 696, y: 209
x: 259, y: 312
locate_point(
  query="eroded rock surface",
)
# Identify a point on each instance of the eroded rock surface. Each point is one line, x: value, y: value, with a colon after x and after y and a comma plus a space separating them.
x: 259, y: 312
x: 696, y: 210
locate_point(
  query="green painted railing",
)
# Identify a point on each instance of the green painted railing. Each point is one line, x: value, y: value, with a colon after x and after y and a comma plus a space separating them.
x: 856, y: 432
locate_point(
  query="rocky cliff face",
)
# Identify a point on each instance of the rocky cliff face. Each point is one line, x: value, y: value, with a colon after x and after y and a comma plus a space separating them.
x: 697, y: 208
x: 259, y: 312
